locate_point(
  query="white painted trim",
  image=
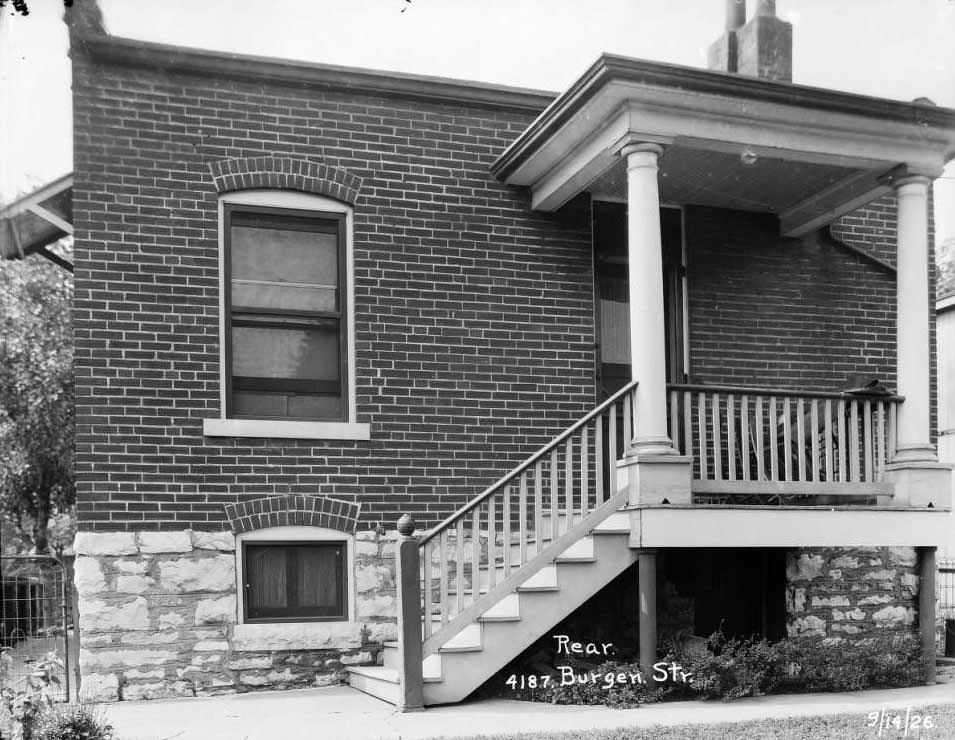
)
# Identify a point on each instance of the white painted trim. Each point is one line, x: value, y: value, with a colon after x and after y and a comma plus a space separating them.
x: 283, y: 429
x: 295, y: 534
x: 349, y: 429
x: 781, y: 526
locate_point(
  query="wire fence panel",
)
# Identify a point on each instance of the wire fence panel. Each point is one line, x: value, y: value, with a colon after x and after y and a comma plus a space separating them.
x: 945, y: 586
x: 36, y: 618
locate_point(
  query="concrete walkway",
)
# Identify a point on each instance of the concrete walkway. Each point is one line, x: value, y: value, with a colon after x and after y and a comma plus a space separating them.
x: 342, y: 712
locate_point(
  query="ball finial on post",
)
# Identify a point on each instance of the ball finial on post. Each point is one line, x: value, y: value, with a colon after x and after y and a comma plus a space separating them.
x: 406, y: 525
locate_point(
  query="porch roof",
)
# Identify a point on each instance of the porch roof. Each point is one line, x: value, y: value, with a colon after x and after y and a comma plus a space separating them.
x: 807, y: 154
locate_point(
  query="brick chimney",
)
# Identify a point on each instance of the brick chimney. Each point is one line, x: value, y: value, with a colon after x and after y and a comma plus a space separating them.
x: 763, y: 47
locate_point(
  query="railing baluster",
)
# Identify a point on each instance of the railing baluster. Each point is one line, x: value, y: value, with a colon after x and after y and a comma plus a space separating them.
x: 760, y: 448
x: 506, y: 530
x: 428, y: 585
x: 476, y: 555
x: 773, y: 440
x: 627, y: 428
x: 731, y: 436
x: 787, y: 440
x: 701, y: 420
x: 522, y: 519
x: 675, y: 419
x: 687, y: 425
x: 854, y: 451
x: 892, y: 431
x: 717, y: 444
x: 569, y: 481
x: 584, y: 472
x: 443, y: 575
x: 827, y: 410
x: 814, y: 438
x: 599, y: 458
x: 554, y: 499
x: 538, y: 507
x: 843, y: 441
x: 880, y: 440
x: 612, y: 448
x: 867, y: 440
x: 744, y: 433
x: 801, y: 439
x: 459, y: 564
x: 491, y: 544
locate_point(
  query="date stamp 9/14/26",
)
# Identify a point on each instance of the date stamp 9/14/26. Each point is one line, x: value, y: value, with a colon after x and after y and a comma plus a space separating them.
x: 894, y: 721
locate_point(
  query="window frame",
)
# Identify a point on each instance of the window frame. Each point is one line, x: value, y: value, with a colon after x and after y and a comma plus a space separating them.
x: 287, y: 534
x: 341, y: 616
x: 224, y: 426
x: 317, y: 318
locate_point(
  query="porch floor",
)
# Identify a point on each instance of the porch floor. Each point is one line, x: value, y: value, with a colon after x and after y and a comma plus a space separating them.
x: 342, y: 712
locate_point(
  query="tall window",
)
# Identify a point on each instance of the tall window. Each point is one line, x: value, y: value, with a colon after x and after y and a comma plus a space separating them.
x: 286, y: 344
x: 295, y: 581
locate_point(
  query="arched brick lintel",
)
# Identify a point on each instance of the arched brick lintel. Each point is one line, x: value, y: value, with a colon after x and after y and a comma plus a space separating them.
x: 293, y: 510
x: 285, y: 173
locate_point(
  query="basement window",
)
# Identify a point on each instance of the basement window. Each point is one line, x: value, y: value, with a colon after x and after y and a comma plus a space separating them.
x: 295, y: 581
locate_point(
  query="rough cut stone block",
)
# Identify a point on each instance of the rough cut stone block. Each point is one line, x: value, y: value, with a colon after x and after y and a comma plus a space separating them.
x: 88, y: 577
x: 105, y: 543
x: 795, y: 599
x: 806, y: 626
x: 910, y: 585
x: 382, y: 605
x: 136, y: 675
x: 149, y: 637
x: 281, y: 676
x: 210, y: 645
x: 100, y: 616
x: 906, y: 556
x: 123, y: 659
x: 880, y: 575
x: 296, y: 636
x: 134, y: 567
x: 806, y: 568
x: 876, y: 599
x: 831, y: 601
x: 361, y: 658
x: 894, y: 616
x: 222, y: 541
x: 99, y: 687
x: 199, y: 574
x: 373, y: 578
x: 846, y: 562
x: 158, y: 542
x: 253, y: 680
x: 245, y: 664
x: 216, y: 610
x: 134, y: 584
x: 170, y: 619
x: 367, y: 549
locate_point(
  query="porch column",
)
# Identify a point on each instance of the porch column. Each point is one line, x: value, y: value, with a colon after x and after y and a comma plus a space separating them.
x: 647, y: 593
x: 645, y: 271
x: 912, y: 301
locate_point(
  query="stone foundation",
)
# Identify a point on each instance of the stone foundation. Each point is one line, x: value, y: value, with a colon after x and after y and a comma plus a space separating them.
x: 845, y: 592
x: 158, y: 618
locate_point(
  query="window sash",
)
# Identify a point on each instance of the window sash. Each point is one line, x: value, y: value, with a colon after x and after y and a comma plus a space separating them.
x: 246, y: 316
x: 292, y: 611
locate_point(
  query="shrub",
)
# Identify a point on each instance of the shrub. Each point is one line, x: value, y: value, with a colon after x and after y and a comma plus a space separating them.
x: 622, y: 694
x: 732, y: 668
x: 72, y: 722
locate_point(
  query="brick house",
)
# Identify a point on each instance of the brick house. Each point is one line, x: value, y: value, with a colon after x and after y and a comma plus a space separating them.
x: 310, y: 300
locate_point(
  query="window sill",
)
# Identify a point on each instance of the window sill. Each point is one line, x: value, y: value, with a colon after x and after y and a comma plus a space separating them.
x: 281, y: 429
x: 260, y: 637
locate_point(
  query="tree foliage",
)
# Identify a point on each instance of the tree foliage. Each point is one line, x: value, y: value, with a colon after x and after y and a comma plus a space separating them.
x: 36, y: 396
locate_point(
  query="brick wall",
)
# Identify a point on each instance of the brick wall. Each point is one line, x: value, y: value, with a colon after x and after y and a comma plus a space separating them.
x: 786, y: 313
x: 458, y: 382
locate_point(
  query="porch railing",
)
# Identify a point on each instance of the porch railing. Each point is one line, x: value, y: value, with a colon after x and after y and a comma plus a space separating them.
x: 498, y: 531
x: 741, y: 435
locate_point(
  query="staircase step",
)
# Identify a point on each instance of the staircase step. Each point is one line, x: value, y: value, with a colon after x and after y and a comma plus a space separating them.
x: 616, y: 523
x: 507, y: 609
x: 378, y: 681
x: 430, y: 666
x: 543, y: 580
x: 467, y: 640
x: 582, y: 551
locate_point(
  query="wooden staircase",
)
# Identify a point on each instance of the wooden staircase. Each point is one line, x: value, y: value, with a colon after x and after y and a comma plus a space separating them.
x: 499, y: 573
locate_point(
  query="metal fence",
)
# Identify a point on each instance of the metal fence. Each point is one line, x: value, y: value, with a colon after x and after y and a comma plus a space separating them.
x: 37, y: 618
x: 945, y: 585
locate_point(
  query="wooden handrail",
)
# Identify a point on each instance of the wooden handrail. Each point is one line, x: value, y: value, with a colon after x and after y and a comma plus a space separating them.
x: 782, y: 392
x: 510, y: 476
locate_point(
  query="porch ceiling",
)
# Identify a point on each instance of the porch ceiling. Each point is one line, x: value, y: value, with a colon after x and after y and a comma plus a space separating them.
x: 805, y: 154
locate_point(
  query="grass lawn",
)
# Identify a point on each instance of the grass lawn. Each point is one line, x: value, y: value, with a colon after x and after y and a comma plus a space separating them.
x: 850, y: 726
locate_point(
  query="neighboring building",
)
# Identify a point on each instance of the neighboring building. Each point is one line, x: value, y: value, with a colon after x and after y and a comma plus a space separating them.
x: 310, y: 300
x: 945, y: 317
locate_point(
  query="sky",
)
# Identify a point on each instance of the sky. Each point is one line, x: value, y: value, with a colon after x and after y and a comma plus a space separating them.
x: 900, y: 49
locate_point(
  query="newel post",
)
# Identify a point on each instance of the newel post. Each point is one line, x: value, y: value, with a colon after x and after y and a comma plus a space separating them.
x: 410, y: 687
